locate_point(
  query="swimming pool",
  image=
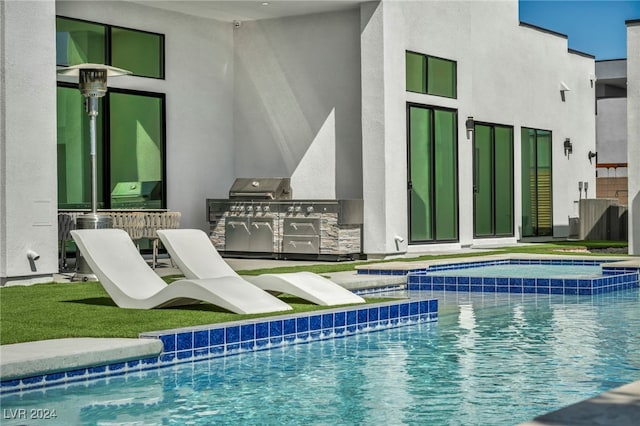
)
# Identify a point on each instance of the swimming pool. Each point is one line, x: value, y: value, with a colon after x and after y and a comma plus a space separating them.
x: 491, y: 359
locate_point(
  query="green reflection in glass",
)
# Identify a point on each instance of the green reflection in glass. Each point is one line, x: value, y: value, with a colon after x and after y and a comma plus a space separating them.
x: 415, y: 73
x: 483, y: 180
x: 446, y: 186
x: 79, y: 42
x: 420, y: 174
x: 137, y: 51
x: 441, y: 78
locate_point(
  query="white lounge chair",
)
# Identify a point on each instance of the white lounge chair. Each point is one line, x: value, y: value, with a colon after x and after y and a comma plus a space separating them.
x: 131, y: 283
x: 195, y: 255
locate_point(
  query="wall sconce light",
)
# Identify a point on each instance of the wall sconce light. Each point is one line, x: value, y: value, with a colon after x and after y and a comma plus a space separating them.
x: 563, y: 89
x: 470, y: 125
x: 592, y: 155
x: 580, y: 189
x: 592, y: 79
x: 568, y: 147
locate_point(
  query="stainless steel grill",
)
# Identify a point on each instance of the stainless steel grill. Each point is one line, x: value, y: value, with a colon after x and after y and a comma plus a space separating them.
x: 260, y: 219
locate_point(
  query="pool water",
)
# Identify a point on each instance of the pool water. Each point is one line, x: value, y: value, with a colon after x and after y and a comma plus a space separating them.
x: 525, y: 271
x: 492, y: 359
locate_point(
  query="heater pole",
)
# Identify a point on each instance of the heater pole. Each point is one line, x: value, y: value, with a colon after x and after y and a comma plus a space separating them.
x: 92, y: 110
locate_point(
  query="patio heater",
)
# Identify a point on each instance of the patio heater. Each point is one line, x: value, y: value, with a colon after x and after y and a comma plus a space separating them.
x: 92, y: 82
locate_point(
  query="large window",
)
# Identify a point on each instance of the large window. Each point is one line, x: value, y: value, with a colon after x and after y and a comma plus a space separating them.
x: 493, y: 180
x: 430, y: 75
x: 537, y: 208
x: 79, y: 42
x: 130, y: 150
x: 433, y: 183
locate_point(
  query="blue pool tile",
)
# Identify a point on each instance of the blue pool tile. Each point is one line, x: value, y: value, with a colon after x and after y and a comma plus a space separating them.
x: 363, y: 316
x: 352, y: 317
x: 374, y: 314
x: 9, y: 383
x: 92, y: 370
x: 33, y: 380
x: 168, y: 342
x: 463, y: 280
x: 302, y: 324
x: 479, y: 288
x: 130, y: 364
x: 232, y: 334
x: 184, y: 341
x: 414, y: 308
x: 438, y: 287
x: 262, y: 330
x: 383, y: 313
x: 556, y: 290
x: 489, y: 281
x: 315, y: 322
x: 201, y: 352
x: 276, y: 341
x: 451, y: 287
x: 185, y: 354
x: 247, y: 332
x: 464, y: 288
x: 476, y: 280
x: 438, y: 280
x: 433, y: 305
x: 404, y: 310
x: 340, y: 319
x: 423, y: 306
x: 542, y: 290
x: 515, y: 289
x: 288, y: 326
x: 502, y: 289
x: 233, y: 347
x: 315, y: 335
x: 515, y: 282
x: 59, y: 376
x: 585, y: 291
x: 584, y: 283
x: 327, y: 320
x: 248, y: 345
x: 216, y: 336
x: 450, y: 280
x: 557, y: 283
x: 275, y: 328
x: 112, y: 367
x: 529, y: 289
x: 339, y: 331
x: 543, y: 282
x: 262, y: 343
x: 571, y: 283
x: 150, y: 361
x: 502, y: 281
x: 529, y: 282
x: 200, y: 339
x: 571, y: 290
x: 167, y: 357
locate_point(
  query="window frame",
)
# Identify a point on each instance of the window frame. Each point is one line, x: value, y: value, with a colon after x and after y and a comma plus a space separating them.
x: 108, y: 45
x: 425, y: 77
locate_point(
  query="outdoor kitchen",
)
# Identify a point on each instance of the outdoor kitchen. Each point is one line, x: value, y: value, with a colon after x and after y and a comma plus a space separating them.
x: 262, y: 219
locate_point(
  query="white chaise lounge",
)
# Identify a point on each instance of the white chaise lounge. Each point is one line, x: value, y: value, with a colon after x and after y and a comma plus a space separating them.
x: 195, y: 255
x: 131, y: 283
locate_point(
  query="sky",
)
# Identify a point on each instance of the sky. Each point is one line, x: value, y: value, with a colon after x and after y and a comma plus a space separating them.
x: 594, y: 27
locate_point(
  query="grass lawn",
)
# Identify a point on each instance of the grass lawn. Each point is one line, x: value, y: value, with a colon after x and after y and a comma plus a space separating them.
x: 58, y: 310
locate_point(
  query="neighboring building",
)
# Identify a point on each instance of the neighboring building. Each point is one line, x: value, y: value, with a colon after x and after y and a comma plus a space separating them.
x: 350, y: 99
x: 611, y: 130
x: 633, y: 135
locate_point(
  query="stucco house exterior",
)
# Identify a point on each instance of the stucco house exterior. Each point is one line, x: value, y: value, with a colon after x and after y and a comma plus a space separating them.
x: 456, y: 124
x: 633, y: 136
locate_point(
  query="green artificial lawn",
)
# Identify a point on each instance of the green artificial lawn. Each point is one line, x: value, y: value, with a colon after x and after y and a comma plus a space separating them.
x: 58, y: 310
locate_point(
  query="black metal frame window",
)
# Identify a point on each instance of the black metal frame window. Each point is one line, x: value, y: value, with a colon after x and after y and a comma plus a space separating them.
x: 492, y: 180
x: 79, y: 41
x: 131, y: 150
x: 432, y: 184
x: 430, y: 75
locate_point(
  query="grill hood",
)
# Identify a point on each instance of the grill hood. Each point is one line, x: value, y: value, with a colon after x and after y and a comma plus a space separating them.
x: 261, y: 189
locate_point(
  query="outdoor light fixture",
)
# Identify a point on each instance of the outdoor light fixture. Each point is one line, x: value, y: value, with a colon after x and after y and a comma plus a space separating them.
x: 470, y: 124
x: 591, y: 155
x: 563, y: 89
x: 586, y: 186
x: 92, y: 82
x: 580, y: 189
x: 568, y: 147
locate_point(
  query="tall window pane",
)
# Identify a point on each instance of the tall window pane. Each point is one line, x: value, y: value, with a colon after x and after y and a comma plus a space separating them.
x: 483, y: 182
x: 420, y: 174
x: 441, y: 78
x: 537, y: 208
x: 137, y: 152
x: 446, y: 193
x: 137, y: 51
x: 74, y: 160
x: 503, y: 180
x: 79, y: 42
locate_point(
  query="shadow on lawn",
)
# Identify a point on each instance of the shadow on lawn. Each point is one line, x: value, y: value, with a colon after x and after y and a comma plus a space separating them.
x: 204, y: 307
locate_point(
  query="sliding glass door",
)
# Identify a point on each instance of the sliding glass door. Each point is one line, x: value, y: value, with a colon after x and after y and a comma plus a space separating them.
x: 493, y: 180
x: 433, y: 175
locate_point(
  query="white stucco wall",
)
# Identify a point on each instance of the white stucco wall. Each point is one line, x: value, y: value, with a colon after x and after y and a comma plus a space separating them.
x: 297, y: 103
x: 28, y: 174
x: 633, y: 128
x: 199, y: 94
x: 507, y: 74
x: 611, y: 130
